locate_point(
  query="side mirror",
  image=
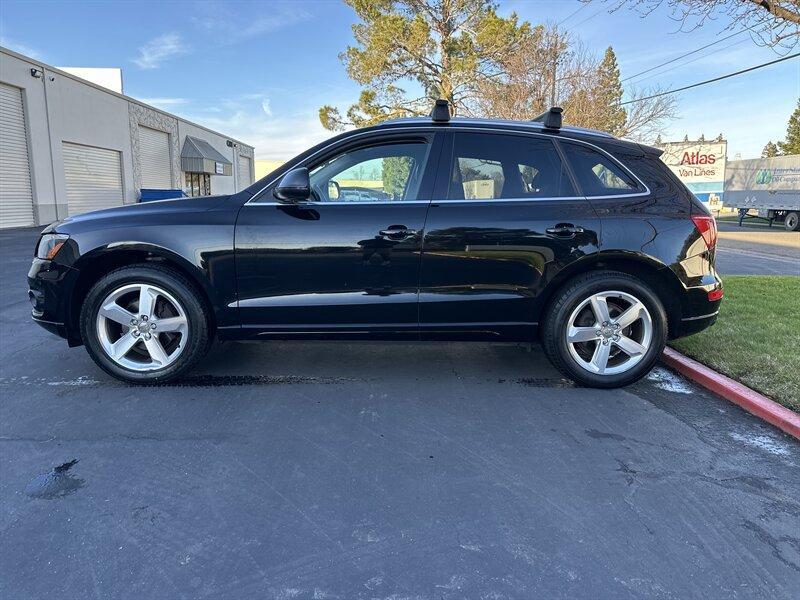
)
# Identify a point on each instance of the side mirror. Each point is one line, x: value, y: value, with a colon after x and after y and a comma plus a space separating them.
x: 295, y: 186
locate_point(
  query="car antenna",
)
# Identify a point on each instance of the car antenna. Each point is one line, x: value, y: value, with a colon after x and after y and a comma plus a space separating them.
x: 551, y: 119
x: 441, y: 111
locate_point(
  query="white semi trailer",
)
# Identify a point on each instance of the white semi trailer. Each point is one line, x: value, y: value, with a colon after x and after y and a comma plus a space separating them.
x: 768, y: 186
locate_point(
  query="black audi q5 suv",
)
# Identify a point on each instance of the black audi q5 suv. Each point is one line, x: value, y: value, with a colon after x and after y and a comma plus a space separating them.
x: 414, y: 229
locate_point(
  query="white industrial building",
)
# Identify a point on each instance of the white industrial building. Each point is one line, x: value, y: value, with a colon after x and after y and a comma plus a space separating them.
x: 68, y: 146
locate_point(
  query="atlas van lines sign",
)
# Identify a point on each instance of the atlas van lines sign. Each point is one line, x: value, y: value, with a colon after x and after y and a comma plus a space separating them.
x: 699, y: 165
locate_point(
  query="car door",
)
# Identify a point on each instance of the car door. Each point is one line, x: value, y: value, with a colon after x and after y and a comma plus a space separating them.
x: 505, y: 220
x: 346, y: 261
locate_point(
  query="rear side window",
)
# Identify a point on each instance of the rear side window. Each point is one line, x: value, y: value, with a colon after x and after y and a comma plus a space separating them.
x: 497, y: 167
x: 597, y: 174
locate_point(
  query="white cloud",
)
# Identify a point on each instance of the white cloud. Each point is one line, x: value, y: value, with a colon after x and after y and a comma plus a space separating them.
x: 278, y: 137
x: 165, y: 102
x: 276, y: 21
x: 159, y: 49
x: 226, y: 31
x: 17, y: 46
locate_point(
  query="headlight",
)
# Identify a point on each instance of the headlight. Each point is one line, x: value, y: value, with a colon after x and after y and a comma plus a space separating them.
x: 50, y: 244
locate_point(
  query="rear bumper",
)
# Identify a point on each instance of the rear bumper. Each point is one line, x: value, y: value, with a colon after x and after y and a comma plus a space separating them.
x: 697, y: 311
x: 690, y: 325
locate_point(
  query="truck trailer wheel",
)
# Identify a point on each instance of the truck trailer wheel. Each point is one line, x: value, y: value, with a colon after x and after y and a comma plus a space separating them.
x: 792, y: 221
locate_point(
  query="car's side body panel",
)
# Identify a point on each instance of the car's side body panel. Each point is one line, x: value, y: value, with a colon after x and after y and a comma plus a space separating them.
x: 324, y: 270
x: 486, y: 263
x: 194, y: 235
x: 331, y: 268
x: 316, y: 268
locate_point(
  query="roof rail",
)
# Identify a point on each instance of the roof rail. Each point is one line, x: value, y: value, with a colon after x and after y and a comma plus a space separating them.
x: 551, y: 119
x: 441, y: 111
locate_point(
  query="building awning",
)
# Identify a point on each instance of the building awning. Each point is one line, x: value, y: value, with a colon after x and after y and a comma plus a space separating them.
x: 198, y: 156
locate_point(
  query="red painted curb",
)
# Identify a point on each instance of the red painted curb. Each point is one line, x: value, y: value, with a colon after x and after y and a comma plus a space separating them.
x: 770, y: 411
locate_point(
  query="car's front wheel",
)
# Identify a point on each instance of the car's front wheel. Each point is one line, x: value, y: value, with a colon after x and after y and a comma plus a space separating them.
x: 144, y: 324
x: 604, y: 329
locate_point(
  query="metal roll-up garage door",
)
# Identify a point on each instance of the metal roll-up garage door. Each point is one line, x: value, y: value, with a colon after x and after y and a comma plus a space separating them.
x: 154, y: 159
x: 93, y: 177
x: 245, y: 172
x: 16, y: 196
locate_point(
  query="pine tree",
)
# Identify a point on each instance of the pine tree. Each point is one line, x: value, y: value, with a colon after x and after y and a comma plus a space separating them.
x: 792, y: 143
x: 612, y: 116
x: 408, y: 53
x: 770, y: 150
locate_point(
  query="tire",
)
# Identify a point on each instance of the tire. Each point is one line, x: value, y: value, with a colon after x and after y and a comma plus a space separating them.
x: 792, y: 221
x: 572, y: 306
x: 166, y: 353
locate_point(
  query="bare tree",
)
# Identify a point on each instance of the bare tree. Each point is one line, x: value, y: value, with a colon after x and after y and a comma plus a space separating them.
x: 646, y: 119
x: 530, y: 79
x: 773, y: 23
x: 554, y: 68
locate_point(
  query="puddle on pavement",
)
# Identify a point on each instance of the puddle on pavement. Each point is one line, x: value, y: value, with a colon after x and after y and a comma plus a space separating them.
x: 545, y: 383
x: 668, y: 381
x: 56, y: 483
x: 240, y: 380
x: 190, y: 381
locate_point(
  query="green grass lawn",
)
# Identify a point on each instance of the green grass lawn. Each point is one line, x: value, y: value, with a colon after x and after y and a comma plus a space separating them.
x: 756, y: 339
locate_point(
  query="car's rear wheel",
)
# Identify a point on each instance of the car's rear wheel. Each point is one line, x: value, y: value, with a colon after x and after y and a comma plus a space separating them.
x: 144, y: 324
x: 604, y: 329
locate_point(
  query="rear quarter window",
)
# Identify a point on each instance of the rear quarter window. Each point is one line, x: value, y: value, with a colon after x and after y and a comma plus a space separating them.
x: 597, y: 174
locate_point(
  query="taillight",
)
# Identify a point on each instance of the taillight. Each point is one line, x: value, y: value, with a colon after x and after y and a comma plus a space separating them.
x: 714, y: 295
x: 707, y: 227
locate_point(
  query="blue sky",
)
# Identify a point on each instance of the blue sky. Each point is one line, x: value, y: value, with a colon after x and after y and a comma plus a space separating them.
x: 259, y: 70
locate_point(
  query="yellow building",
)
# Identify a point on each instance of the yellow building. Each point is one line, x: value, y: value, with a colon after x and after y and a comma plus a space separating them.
x: 266, y: 166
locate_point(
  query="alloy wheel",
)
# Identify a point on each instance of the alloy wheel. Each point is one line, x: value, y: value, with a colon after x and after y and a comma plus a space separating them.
x: 142, y: 327
x: 609, y: 332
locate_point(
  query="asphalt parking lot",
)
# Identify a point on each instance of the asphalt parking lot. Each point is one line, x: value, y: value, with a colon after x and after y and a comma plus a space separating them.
x: 335, y: 470
x: 757, y: 250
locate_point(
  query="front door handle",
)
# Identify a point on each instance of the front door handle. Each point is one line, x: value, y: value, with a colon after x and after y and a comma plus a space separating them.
x: 398, y: 232
x: 564, y: 230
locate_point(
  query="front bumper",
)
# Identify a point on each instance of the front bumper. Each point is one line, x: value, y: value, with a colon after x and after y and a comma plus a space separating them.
x: 49, y: 283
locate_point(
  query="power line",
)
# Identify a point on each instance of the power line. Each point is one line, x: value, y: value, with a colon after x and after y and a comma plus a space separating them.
x: 721, y: 77
x: 688, y: 62
x: 590, y: 17
x: 727, y: 37
x: 572, y: 14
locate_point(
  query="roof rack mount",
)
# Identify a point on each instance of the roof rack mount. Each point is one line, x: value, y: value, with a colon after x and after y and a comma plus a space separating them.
x: 551, y: 119
x: 441, y: 111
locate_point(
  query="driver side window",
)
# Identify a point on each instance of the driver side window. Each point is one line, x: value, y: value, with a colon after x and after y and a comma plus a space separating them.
x: 386, y: 173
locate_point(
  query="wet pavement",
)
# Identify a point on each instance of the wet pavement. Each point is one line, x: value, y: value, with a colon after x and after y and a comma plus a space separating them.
x: 754, y: 249
x: 337, y: 470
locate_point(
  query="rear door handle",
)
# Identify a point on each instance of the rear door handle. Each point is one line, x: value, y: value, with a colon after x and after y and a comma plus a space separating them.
x: 565, y: 230
x: 398, y: 232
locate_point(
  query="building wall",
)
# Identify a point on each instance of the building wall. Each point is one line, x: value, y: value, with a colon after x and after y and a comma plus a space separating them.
x: 16, y: 72
x: 82, y: 115
x: 220, y: 184
x: 62, y: 108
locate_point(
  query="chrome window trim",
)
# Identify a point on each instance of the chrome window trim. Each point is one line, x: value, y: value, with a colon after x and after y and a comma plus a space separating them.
x: 647, y: 191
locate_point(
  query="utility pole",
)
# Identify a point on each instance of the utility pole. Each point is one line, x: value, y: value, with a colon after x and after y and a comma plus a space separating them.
x: 554, y: 72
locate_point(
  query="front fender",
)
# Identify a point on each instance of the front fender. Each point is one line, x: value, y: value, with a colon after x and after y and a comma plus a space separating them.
x: 198, y: 244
